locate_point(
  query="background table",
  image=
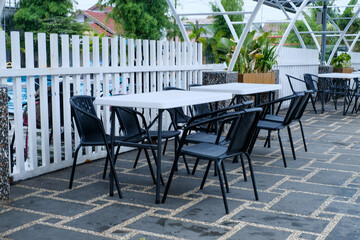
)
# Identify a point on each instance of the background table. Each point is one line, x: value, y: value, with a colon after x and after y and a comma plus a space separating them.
x: 160, y: 100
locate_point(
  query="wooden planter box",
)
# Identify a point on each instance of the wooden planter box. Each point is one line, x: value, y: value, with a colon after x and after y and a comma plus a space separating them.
x: 268, y: 78
x: 343, y: 70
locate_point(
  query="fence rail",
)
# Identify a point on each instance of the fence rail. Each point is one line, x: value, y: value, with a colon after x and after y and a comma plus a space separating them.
x: 52, y: 68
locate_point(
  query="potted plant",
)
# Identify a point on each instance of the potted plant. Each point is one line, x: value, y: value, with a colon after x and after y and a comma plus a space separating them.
x: 342, y: 63
x: 257, y: 57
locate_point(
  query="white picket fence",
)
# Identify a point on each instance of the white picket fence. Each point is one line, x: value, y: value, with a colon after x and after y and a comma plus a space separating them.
x: 92, y: 67
x: 95, y: 67
x: 296, y: 62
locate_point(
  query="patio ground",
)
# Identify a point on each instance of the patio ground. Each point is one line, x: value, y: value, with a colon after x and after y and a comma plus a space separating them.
x: 316, y: 197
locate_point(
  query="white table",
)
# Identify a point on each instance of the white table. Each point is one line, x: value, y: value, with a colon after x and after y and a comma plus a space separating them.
x: 345, y: 76
x: 239, y: 89
x: 161, y: 101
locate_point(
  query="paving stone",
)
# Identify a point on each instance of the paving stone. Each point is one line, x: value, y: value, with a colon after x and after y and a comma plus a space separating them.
x: 53, y: 220
x: 146, y: 237
x: 87, y: 192
x: 326, y: 215
x: 342, y: 207
x: 82, y: 170
x: 281, y: 220
x: 50, y: 206
x: 240, y: 194
x: 148, y: 199
x: 299, y: 203
x: 316, y: 188
x: 334, y: 166
x: 259, y: 233
x: 208, y: 210
x: 105, y: 218
x: 177, y: 228
x: 347, y: 159
x: 18, y: 191
x: 42, y: 232
x: 47, y: 183
x: 330, y: 177
x: 308, y: 236
x: 347, y: 228
x: 14, y: 218
x: 281, y: 171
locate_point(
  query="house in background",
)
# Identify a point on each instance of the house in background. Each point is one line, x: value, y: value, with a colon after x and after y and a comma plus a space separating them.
x: 99, y: 21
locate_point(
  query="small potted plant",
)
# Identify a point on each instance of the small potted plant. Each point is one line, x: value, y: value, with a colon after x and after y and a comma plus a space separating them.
x: 342, y: 63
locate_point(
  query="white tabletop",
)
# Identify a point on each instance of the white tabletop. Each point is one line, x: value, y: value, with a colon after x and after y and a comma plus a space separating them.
x: 238, y: 88
x: 163, y: 99
x: 339, y: 75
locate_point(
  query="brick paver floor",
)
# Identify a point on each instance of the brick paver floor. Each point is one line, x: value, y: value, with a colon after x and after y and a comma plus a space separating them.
x: 316, y: 197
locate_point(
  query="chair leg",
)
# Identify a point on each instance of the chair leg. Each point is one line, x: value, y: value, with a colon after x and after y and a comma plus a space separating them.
x: 150, y: 166
x: 73, y: 167
x: 243, y: 167
x: 225, y: 177
x: 155, y: 159
x: 186, y: 165
x: 303, y: 135
x: 313, y: 103
x: 222, y: 188
x: 165, y: 145
x: 205, y: 175
x: 195, y: 166
x: 107, y: 161
x: 252, y: 176
x: 291, y: 142
x: 173, y: 168
x: 281, y: 148
x: 137, y: 158
x: 322, y: 99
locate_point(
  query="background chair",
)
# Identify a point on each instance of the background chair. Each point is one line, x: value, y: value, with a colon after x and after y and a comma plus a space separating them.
x: 242, y: 127
x: 277, y: 126
x: 91, y: 132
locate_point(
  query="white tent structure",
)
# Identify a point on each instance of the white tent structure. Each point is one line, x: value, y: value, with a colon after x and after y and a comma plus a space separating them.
x: 292, y: 10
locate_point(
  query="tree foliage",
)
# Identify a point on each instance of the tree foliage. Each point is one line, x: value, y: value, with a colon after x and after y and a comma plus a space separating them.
x: 47, y: 16
x: 219, y: 21
x: 142, y: 19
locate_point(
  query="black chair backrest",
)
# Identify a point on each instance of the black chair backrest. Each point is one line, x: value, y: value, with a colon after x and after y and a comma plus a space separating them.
x: 83, y: 111
x: 308, y: 78
x: 177, y: 114
x: 303, y: 101
x: 290, y: 114
x: 200, y: 109
x: 242, y: 130
x: 129, y: 123
x: 290, y: 83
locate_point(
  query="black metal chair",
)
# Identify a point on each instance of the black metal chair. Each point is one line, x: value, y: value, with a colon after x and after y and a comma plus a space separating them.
x: 310, y: 85
x: 91, y: 132
x: 242, y: 128
x: 200, y: 109
x: 300, y: 109
x: 205, y: 134
x: 277, y: 126
x: 139, y: 137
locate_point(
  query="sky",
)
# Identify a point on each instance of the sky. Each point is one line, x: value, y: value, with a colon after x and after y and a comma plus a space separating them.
x: 187, y: 6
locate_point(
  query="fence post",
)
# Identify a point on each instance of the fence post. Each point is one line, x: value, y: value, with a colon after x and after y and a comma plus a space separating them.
x: 4, y: 147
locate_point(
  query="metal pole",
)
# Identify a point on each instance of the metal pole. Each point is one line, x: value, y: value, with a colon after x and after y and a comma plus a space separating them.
x: 243, y: 35
x: 323, y: 35
x: 228, y: 21
x: 178, y: 21
x: 292, y: 23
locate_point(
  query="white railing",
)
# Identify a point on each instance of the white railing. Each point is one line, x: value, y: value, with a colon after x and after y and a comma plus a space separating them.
x: 95, y: 67
x: 82, y: 66
x: 355, y: 60
x: 296, y: 62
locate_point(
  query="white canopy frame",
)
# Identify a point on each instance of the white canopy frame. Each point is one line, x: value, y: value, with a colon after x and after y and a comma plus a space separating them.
x: 296, y: 6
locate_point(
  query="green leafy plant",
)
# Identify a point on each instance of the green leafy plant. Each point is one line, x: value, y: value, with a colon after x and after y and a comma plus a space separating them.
x: 257, y: 54
x: 341, y: 61
x: 196, y: 33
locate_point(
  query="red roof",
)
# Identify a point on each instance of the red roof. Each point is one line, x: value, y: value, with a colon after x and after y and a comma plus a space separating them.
x: 99, y: 29
x: 102, y: 18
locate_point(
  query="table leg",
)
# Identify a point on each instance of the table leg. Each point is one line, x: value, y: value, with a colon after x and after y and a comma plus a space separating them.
x: 112, y: 135
x: 158, y: 164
